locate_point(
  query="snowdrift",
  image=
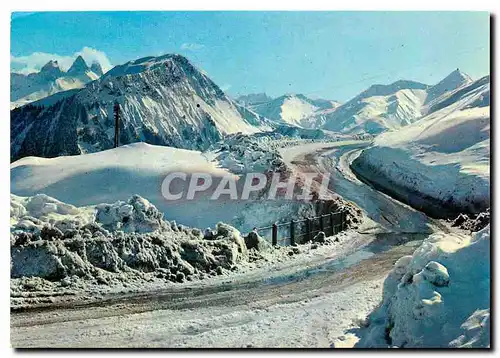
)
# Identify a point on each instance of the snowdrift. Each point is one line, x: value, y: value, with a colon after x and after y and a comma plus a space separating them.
x: 140, y: 168
x: 55, y: 241
x: 60, y: 252
x: 439, y: 164
x: 437, y: 298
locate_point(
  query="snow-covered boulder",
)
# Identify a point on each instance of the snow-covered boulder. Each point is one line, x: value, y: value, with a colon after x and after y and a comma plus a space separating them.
x: 135, y: 215
x: 254, y: 241
x: 241, y: 154
x: 434, y: 273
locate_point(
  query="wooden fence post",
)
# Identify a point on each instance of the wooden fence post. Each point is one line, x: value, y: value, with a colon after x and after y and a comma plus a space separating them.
x: 292, y: 232
x: 308, y: 229
x: 321, y: 223
x: 275, y: 234
x: 344, y: 218
x: 332, y: 223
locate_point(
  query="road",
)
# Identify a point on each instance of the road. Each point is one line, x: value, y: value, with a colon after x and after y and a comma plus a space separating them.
x: 387, y: 214
x: 306, y: 307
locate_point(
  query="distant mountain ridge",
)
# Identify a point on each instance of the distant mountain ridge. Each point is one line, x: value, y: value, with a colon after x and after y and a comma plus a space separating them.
x: 377, y: 109
x: 387, y: 107
x: 293, y: 109
x: 165, y: 100
x: 50, y: 80
x: 253, y: 98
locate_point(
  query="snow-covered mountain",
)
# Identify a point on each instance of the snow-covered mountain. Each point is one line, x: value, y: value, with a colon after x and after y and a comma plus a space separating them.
x: 163, y: 100
x: 294, y: 109
x: 448, y: 84
x: 50, y: 80
x: 389, y: 107
x: 379, y: 108
x: 441, y: 163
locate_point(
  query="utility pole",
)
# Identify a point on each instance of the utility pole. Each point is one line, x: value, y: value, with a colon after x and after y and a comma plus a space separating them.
x: 116, y: 110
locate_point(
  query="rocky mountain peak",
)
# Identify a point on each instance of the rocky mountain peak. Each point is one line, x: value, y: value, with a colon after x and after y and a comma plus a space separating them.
x: 78, y: 67
x: 451, y: 82
x: 51, y: 69
x: 96, y: 68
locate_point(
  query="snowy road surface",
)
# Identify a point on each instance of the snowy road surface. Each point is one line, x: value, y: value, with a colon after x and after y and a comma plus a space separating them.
x: 310, y: 307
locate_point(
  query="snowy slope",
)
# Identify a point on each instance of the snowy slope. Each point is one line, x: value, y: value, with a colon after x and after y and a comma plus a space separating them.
x: 294, y: 109
x: 164, y: 100
x: 140, y: 168
x: 50, y: 80
x: 437, y: 298
x: 442, y: 161
x: 389, y: 107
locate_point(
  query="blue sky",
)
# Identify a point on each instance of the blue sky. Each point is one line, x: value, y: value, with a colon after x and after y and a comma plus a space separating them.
x: 332, y: 55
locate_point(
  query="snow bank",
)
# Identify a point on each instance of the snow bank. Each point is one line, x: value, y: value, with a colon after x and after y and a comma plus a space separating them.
x: 111, y: 175
x: 139, y: 168
x: 439, y: 164
x: 58, y: 249
x: 54, y: 240
x: 438, y: 297
x: 31, y: 214
x: 243, y: 154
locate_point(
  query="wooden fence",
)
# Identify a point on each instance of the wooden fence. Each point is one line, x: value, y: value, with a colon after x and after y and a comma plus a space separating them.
x: 301, y: 231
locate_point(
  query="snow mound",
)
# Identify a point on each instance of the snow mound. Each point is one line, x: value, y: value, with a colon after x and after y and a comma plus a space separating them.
x: 121, y: 246
x: 39, y: 212
x: 111, y: 175
x: 124, y: 237
x: 243, y: 154
x: 140, y: 168
x: 437, y: 298
x: 31, y: 214
x: 135, y: 215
